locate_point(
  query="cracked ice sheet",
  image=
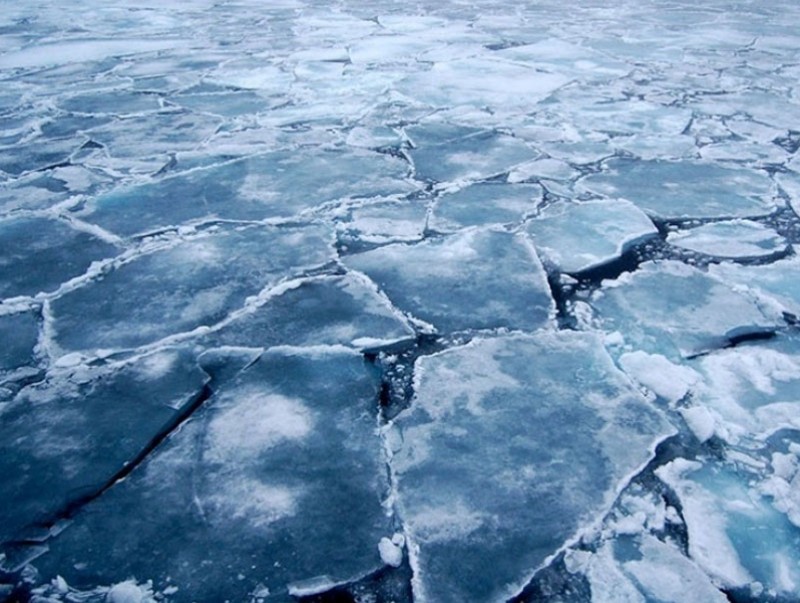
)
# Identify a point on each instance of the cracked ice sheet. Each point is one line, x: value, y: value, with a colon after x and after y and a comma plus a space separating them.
x: 579, y: 236
x: 672, y: 309
x: 277, y: 479
x: 483, y: 467
x: 65, y: 437
x: 39, y: 254
x: 731, y: 239
x: 484, y: 203
x: 476, y: 279
x: 735, y: 535
x: 195, y: 282
x: 685, y: 189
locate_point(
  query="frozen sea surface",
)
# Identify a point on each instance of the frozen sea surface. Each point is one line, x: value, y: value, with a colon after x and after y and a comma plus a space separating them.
x: 399, y: 302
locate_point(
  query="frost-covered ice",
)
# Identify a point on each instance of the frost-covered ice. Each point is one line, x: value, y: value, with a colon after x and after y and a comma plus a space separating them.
x: 375, y: 301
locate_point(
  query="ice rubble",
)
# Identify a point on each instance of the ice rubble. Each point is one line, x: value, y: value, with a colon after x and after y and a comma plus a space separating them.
x: 276, y: 480
x: 481, y: 456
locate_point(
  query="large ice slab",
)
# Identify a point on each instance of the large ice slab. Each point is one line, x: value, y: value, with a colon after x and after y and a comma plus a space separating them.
x: 476, y: 279
x: 325, y: 310
x: 672, y: 309
x: 731, y: 239
x: 274, y: 185
x: 40, y: 254
x: 277, y: 479
x: 196, y: 282
x: 19, y: 333
x: 65, y: 438
x: 484, y: 203
x: 579, y: 236
x: 685, y: 189
x: 511, y: 446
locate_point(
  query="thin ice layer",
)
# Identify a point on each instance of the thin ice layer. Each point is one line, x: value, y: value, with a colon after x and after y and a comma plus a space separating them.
x: 484, y: 203
x: 64, y: 438
x: 685, y: 189
x: 276, y: 480
x: 579, y: 236
x: 512, y: 444
x: 40, y: 254
x: 197, y: 282
x: 476, y: 279
x: 673, y: 309
x: 730, y: 239
x: 326, y: 310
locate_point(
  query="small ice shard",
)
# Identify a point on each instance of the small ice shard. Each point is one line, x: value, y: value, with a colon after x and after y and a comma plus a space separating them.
x: 472, y: 157
x: 735, y: 535
x: 129, y: 592
x: 685, y: 189
x: 40, y: 254
x: 476, y: 279
x: 275, y: 480
x: 197, y: 282
x: 64, y: 438
x: 485, y: 470
x: 325, y: 310
x: 672, y: 309
x: 730, y: 239
x: 665, y: 379
x: 484, y: 203
x: 776, y: 285
x: 311, y: 586
x: 579, y: 236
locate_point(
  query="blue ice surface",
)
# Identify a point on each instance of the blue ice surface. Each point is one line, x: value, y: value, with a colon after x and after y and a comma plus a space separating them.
x: 388, y: 302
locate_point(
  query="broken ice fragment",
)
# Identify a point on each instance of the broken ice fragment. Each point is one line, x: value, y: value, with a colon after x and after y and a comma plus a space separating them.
x: 685, y: 189
x: 731, y: 239
x: 275, y: 480
x: 484, y: 203
x: 476, y: 279
x: 672, y: 309
x: 579, y: 236
x: 485, y: 470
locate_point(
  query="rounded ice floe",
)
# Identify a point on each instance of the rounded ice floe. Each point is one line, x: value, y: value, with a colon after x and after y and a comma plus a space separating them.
x: 730, y: 239
x: 579, y: 236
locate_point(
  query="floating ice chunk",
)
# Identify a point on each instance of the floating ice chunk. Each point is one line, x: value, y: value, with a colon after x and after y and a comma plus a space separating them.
x: 777, y: 285
x: 279, y: 184
x: 41, y: 254
x: 485, y: 470
x: 732, y: 239
x: 65, y: 437
x: 734, y: 534
x: 579, y: 236
x: 501, y: 85
x: 565, y: 58
x: 476, y: 279
x: 685, y: 189
x: 484, y: 203
x: 19, y: 333
x: 668, y: 307
x: 664, y: 574
x: 473, y: 157
x: 783, y: 486
x: 275, y: 480
x: 391, y: 553
x: 384, y: 222
x: 195, y: 283
x: 327, y: 310
x: 383, y: 49
x: 700, y: 421
x: 74, y: 51
x: 548, y: 168
x: 129, y: 592
x: 665, y: 379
